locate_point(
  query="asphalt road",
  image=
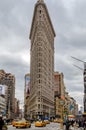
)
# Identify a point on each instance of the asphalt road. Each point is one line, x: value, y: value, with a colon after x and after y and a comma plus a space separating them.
x: 51, y: 126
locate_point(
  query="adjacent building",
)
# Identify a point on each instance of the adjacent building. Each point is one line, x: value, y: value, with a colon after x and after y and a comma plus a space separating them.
x: 16, y: 108
x: 70, y: 106
x: 59, y: 87
x: 26, y: 96
x: 2, y: 105
x: 9, y: 80
x: 59, y: 92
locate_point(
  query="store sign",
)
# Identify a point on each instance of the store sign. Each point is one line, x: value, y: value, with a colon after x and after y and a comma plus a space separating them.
x: 2, y: 89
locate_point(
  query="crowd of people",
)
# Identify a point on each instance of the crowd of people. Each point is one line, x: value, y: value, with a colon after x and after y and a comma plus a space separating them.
x: 75, y: 123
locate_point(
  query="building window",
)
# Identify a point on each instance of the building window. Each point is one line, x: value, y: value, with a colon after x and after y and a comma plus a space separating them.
x: 39, y: 80
x: 38, y: 75
x: 38, y: 106
x: 40, y: 11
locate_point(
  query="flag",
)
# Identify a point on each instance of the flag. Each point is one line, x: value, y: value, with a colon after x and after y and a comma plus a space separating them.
x: 71, y: 107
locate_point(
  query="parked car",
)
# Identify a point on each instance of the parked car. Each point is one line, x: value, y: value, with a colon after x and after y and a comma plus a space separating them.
x: 23, y: 124
x: 14, y: 122
x: 47, y: 121
x: 40, y: 124
x: 58, y: 120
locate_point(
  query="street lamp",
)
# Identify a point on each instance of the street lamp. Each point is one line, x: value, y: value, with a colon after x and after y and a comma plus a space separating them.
x: 62, y: 105
x: 84, y: 76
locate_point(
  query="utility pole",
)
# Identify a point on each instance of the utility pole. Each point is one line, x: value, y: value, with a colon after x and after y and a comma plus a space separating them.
x: 84, y: 77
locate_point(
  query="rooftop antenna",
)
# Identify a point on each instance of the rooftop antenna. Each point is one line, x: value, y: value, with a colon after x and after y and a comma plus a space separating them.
x: 84, y: 76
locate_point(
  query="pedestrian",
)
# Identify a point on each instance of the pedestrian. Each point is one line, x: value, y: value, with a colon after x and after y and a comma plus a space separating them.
x: 1, y: 122
x: 67, y: 124
x: 84, y: 124
x: 72, y: 122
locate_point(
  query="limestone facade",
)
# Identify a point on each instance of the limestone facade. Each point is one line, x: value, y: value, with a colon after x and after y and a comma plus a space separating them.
x: 42, y: 63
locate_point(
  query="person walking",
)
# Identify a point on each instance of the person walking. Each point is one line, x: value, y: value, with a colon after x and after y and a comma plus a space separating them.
x: 84, y: 124
x: 67, y: 124
x: 1, y: 122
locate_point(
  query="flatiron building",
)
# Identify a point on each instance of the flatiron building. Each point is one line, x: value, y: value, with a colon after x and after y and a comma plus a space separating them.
x: 41, y: 102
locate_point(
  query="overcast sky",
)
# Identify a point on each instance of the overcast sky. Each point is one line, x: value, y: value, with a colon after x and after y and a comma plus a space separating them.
x: 69, y: 20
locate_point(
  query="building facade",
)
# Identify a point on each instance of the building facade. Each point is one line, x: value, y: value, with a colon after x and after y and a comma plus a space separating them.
x: 16, y: 108
x: 26, y: 96
x: 59, y: 87
x: 42, y: 35
x: 70, y: 106
x: 9, y: 80
x: 59, y: 92
x: 2, y: 105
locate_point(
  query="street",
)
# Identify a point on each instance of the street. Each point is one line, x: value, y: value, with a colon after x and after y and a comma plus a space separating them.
x: 51, y: 126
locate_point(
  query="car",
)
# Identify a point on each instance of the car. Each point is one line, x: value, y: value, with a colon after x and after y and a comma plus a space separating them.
x: 47, y: 121
x: 58, y: 121
x: 14, y: 122
x: 23, y: 124
x: 40, y: 124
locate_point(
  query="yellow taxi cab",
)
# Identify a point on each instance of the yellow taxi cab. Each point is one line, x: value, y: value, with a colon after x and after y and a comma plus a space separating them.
x: 47, y: 121
x: 14, y: 122
x: 40, y: 124
x: 23, y: 124
x: 58, y: 121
